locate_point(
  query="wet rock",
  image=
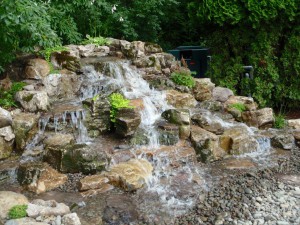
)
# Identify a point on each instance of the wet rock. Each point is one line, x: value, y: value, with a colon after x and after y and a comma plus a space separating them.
x: 98, y: 118
x: 127, y: 121
x: 180, y: 100
x: 68, y: 60
x: 238, y: 164
x: 206, y: 145
x: 39, y: 177
x: 295, y: 124
x: 25, y: 126
x: 5, y: 118
x: 137, y: 104
x: 297, y: 137
x: 8, y: 199
x: 203, y: 89
x: 168, y: 133
x: 140, y: 137
x: 92, y: 182
x: 284, y: 140
x: 24, y: 221
x: 261, y: 118
x: 177, y: 116
x: 6, y: 141
x: 212, y: 105
x: 221, y: 94
x: 37, y: 69
x: 130, y: 175
x: 206, y: 121
x: 119, y: 209
x: 39, y: 207
x: 71, y: 219
x: 33, y: 101
x: 237, y: 140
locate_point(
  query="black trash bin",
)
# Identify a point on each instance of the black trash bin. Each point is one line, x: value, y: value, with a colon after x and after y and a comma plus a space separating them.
x: 196, y: 58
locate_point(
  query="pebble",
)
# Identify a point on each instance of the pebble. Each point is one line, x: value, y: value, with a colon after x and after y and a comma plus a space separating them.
x: 282, y: 223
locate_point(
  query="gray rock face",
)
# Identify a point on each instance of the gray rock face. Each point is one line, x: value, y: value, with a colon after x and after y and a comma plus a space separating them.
x: 127, y: 121
x: 221, y: 94
x: 40, y: 207
x: 6, y: 141
x: 37, y: 69
x: 33, y: 101
x: 203, y: 89
x: 8, y: 199
x: 5, y: 118
x: 295, y: 124
x: 283, y: 140
x: 24, y: 221
x: 180, y: 100
x: 71, y: 219
x: 206, y: 144
x: 25, y: 126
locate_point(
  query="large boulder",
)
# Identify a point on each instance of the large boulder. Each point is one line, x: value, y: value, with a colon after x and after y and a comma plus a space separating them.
x: 262, y: 118
x: 130, y: 175
x: 25, y: 126
x: 5, y: 118
x: 238, y: 140
x: 206, y: 145
x: 37, y: 69
x: 39, y: 177
x: 6, y: 141
x: 180, y: 100
x: 127, y: 121
x: 221, y: 94
x: 282, y: 139
x: 203, y: 89
x: 33, y: 101
x: 8, y: 199
x: 94, y: 184
x: 209, y: 122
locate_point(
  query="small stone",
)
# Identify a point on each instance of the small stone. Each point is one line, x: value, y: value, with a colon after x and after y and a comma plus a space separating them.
x: 282, y: 223
x: 248, y: 191
x: 71, y: 219
x: 259, y: 199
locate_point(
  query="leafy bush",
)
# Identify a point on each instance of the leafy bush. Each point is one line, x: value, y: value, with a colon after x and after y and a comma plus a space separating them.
x: 117, y: 101
x: 17, y: 211
x: 46, y: 53
x: 183, y: 77
x: 238, y: 106
x: 279, y: 121
x: 99, y: 41
x: 7, y: 97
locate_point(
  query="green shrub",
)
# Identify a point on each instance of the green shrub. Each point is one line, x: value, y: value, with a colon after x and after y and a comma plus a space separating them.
x: 238, y: 106
x: 7, y: 97
x: 17, y: 211
x: 46, y: 53
x: 99, y: 41
x: 279, y: 121
x: 183, y: 77
x: 117, y: 101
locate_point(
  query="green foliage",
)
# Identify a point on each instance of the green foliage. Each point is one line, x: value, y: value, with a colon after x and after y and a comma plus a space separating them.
x: 117, y: 101
x: 46, y: 53
x: 7, y: 97
x: 183, y: 77
x: 279, y: 121
x: 99, y: 41
x: 238, y: 106
x: 17, y: 211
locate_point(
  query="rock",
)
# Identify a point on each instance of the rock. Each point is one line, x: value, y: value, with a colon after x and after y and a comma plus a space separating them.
x: 208, y: 122
x: 6, y: 142
x: 24, y: 221
x: 237, y: 140
x: 152, y: 48
x: 221, y: 94
x: 284, y: 140
x: 238, y: 164
x: 37, y: 69
x: 203, y: 89
x: 92, y: 182
x: 212, y: 105
x: 180, y: 100
x: 5, y: 118
x: 261, y: 118
x: 295, y: 124
x: 39, y: 207
x: 168, y: 133
x: 33, y: 101
x: 39, y: 177
x: 177, y: 116
x: 71, y: 219
x: 137, y: 104
x: 68, y: 60
x: 137, y: 49
x: 130, y: 175
x: 206, y: 144
x: 247, y: 101
x: 8, y: 199
x: 25, y: 126
x: 104, y: 188
x: 127, y: 121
